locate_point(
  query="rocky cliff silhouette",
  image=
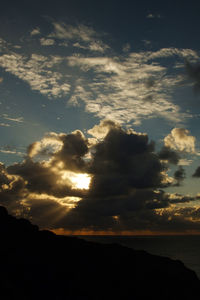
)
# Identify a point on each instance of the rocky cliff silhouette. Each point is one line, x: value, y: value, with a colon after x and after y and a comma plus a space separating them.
x: 37, y: 264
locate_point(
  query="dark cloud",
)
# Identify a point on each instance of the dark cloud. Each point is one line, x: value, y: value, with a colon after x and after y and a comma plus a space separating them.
x: 12, y: 191
x: 197, y: 172
x: 136, y: 213
x: 148, y: 98
x: 126, y: 189
x: 72, y: 153
x: 69, y: 149
x: 127, y: 159
x: 178, y: 198
x: 41, y: 178
x: 150, y: 82
x: 179, y: 175
x: 3, y: 175
x: 169, y: 155
x: 193, y: 72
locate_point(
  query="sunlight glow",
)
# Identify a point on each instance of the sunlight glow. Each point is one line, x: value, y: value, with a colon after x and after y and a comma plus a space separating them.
x: 78, y: 181
x: 81, y: 181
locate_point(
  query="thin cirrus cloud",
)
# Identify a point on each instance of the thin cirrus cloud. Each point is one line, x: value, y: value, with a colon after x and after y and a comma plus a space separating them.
x: 35, y: 31
x: 38, y: 72
x: 47, y: 42
x: 82, y: 36
x: 127, y: 88
x: 13, y: 119
x: 4, y: 124
x: 153, y: 16
x: 10, y: 120
x: 14, y: 152
x: 64, y: 31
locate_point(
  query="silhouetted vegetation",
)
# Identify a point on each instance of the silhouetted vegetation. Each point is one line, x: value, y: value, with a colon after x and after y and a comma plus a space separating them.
x: 37, y: 264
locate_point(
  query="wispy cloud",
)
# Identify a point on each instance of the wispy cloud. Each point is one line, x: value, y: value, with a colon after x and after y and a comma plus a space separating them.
x: 4, y: 124
x: 126, y: 88
x: 153, y: 16
x: 38, y: 71
x: 129, y: 88
x: 17, y: 120
x: 82, y: 36
x: 80, y: 32
x: 35, y: 31
x: 126, y: 47
x: 15, y: 152
x: 47, y: 42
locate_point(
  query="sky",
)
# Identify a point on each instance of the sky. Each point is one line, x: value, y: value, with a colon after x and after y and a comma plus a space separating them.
x: 99, y: 115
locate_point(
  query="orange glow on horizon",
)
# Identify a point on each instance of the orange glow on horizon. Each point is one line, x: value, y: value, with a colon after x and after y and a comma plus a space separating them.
x: 61, y: 231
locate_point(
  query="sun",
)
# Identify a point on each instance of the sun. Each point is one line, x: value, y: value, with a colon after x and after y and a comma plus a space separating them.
x: 77, y: 180
x: 81, y: 181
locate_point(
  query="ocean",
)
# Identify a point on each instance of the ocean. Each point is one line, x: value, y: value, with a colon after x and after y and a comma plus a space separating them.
x: 185, y: 247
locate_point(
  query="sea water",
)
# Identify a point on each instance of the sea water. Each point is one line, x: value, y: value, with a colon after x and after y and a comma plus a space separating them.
x: 185, y: 248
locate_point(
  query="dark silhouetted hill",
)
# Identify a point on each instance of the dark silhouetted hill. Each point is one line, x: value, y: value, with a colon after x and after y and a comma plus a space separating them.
x: 38, y: 265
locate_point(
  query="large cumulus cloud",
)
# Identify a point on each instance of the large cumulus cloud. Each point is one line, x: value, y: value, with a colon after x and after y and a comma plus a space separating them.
x: 127, y: 185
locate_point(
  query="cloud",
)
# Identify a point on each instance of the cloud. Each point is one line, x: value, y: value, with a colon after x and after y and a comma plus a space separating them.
x: 126, y: 47
x: 67, y: 149
x: 13, y: 119
x: 9, y: 151
x: 100, y: 131
x: 147, y: 42
x: 184, y: 162
x: 3, y: 45
x: 197, y: 172
x: 38, y: 72
x: 80, y: 35
x: 129, y: 88
x: 179, y: 139
x: 5, y: 125
x: 41, y: 178
x: 153, y: 16
x: 126, y: 187
x: 72, y: 153
x: 179, y: 175
x: 79, y: 32
x: 98, y: 46
x: 125, y: 88
x: 169, y: 155
x: 54, y: 176
x: 47, y: 42
x: 50, y: 144
x: 35, y: 31
x: 12, y: 190
x: 193, y: 72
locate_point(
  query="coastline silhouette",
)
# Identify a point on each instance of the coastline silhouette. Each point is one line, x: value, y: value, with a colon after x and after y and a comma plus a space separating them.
x: 38, y: 264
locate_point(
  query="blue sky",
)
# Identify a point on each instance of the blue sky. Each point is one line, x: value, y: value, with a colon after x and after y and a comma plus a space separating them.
x: 71, y: 65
